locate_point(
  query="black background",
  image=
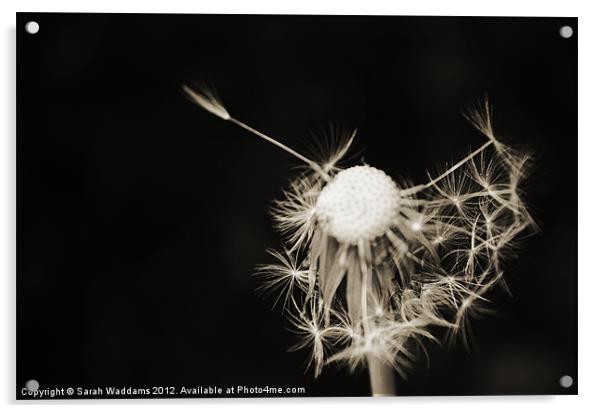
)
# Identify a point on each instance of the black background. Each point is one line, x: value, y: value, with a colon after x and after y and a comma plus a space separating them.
x: 141, y: 217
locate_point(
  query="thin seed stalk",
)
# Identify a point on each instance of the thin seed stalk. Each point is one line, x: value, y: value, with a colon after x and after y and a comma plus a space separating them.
x: 382, y: 378
x: 279, y: 144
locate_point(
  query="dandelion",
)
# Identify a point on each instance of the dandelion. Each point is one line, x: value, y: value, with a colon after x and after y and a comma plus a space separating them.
x: 370, y: 265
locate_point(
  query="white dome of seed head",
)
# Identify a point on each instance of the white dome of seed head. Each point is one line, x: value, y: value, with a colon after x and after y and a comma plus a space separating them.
x: 360, y: 203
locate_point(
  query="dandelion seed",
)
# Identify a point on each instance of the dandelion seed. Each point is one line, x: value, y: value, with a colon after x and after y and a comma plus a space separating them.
x: 282, y: 278
x: 370, y: 264
x: 207, y: 101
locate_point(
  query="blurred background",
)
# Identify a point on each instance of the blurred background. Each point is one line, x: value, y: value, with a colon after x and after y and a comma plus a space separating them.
x: 141, y: 217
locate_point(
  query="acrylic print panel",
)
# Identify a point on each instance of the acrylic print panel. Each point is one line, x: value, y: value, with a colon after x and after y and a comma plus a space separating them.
x: 260, y: 206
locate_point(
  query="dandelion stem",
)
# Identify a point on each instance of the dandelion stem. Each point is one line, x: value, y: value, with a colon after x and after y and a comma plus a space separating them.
x: 382, y: 378
x: 273, y: 141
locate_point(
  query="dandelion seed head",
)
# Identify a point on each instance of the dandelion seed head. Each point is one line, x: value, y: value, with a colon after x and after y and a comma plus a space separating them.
x: 360, y: 203
x: 369, y: 266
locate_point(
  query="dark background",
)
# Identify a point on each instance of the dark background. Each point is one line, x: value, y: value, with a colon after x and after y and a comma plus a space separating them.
x: 141, y: 217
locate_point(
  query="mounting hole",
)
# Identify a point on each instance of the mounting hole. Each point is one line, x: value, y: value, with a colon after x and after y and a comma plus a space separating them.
x: 32, y: 27
x: 566, y: 381
x: 32, y: 385
x: 566, y: 32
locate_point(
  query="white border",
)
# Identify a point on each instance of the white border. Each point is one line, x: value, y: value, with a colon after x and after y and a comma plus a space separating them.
x: 590, y: 161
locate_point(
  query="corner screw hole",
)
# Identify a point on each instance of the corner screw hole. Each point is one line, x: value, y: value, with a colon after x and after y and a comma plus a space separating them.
x: 32, y: 27
x: 32, y: 385
x: 566, y: 32
x: 566, y: 381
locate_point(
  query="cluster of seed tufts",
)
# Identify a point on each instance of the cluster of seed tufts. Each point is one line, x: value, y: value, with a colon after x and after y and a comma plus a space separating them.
x: 360, y: 203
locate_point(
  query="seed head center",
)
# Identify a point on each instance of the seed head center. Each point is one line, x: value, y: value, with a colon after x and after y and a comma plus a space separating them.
x: 360, y: 203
